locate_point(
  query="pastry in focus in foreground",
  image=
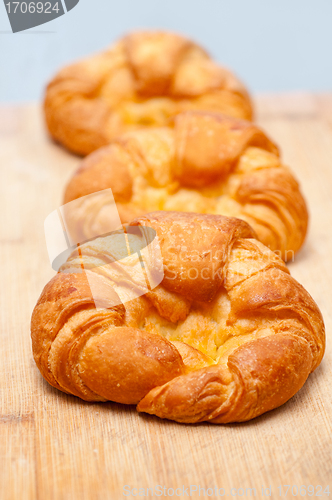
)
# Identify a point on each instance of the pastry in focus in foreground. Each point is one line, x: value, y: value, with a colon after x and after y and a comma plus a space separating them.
x: 207, y: 163
x: 227, y: 335
x: 142, y: 80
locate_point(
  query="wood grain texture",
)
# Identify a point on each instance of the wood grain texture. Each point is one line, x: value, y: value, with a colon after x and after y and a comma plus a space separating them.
x: 54, y: 446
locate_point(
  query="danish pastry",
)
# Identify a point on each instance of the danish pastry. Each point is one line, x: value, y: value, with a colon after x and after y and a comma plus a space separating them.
x: 206, y: 163
x: 143, y: 80
x: 227, y: 335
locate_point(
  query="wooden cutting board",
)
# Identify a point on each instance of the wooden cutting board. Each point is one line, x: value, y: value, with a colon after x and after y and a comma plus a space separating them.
x: 54, y: 446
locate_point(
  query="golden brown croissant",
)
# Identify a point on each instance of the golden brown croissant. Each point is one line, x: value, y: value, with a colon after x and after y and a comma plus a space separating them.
x: 207, y: 163
x: 144, y: 79
x: 226, y: 336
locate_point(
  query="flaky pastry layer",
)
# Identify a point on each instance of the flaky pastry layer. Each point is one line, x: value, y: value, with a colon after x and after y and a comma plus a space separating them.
x: 226, y: 336
x: 206, y: 163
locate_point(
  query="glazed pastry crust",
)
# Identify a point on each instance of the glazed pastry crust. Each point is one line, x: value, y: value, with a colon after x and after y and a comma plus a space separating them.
x: 142, y: 80
x: 226, y: 336
x: 207, y: 163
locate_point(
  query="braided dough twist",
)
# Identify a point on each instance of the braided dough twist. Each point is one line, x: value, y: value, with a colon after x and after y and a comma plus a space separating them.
x: 207, y: 163
x: 144, y: 79
x: 225, y: 337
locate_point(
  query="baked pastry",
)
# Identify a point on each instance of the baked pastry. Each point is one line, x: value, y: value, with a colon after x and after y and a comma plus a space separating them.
x: 142, y: 80
x: 227, y: 335
x: 207, y: 163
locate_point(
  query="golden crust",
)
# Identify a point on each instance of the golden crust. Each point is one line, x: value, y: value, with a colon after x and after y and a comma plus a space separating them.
x: 207, y: 163
x: 226, y: 336
x: 144, y: 79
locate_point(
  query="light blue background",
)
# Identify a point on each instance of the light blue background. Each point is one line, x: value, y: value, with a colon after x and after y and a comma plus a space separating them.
x: 273, y: 45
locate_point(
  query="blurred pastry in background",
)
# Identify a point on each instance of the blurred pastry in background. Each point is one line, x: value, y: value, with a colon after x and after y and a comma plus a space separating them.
x: 142, y: 80
x: 207, y: 163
